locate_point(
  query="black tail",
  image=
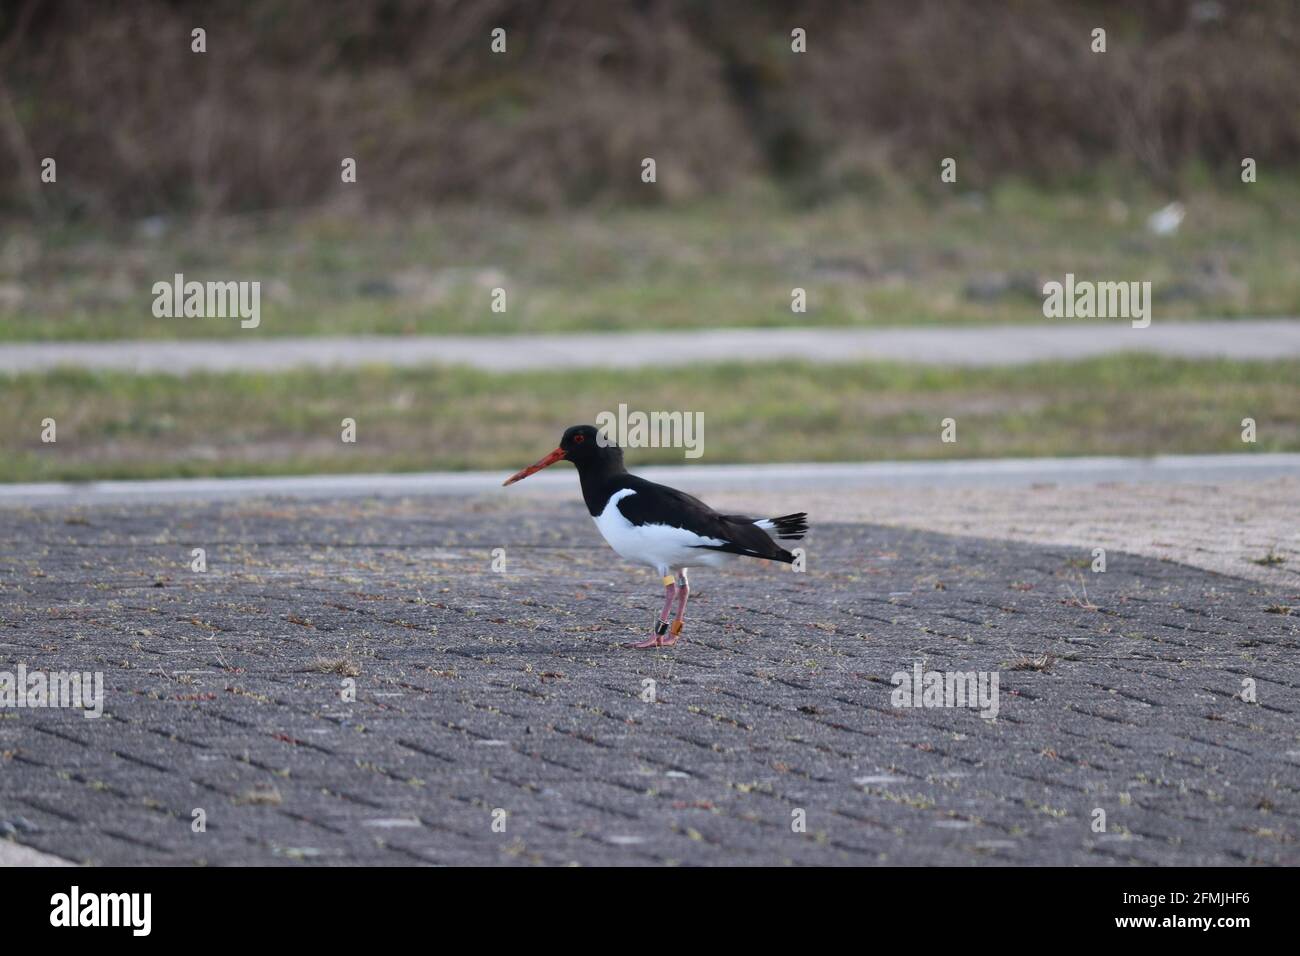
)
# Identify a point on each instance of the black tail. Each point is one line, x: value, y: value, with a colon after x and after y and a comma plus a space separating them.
x: 752, y: 537
x: 790, y: 527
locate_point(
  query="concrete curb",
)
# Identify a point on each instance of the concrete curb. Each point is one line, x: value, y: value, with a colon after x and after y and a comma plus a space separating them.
x: 15, y: 854
x: 998, y: 473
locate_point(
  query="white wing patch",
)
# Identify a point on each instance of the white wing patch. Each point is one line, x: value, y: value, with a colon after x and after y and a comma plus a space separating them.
x: 661, y: 546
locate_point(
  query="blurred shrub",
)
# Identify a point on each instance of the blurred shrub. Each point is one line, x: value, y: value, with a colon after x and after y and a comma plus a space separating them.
x: 141, y: 125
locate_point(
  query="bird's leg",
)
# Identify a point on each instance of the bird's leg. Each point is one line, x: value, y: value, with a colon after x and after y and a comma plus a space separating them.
x: 661, y: 624
x: 683, y: 592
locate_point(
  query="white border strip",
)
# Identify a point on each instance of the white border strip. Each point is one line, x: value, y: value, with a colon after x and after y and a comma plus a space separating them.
x: 1005, y: 472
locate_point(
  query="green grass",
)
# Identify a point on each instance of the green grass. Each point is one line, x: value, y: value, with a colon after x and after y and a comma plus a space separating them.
x: 126, y: 426
x: 893, y: 258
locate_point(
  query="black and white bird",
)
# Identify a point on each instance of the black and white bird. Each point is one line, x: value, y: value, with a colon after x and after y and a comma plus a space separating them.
x: 661, y: 526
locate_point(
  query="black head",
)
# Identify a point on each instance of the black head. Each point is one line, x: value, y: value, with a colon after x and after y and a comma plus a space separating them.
x: 582, y: 445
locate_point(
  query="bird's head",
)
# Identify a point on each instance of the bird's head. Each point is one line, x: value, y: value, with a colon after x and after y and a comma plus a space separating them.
x: 580, y: 444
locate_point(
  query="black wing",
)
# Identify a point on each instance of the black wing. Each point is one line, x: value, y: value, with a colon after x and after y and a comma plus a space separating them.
x: 659, y: 504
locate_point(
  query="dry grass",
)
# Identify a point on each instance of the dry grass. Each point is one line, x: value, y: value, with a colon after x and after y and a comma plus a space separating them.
x: 1042, y: 664
x: 260, y: 796
x: 342, y: 666
x: 898, y: 259
x: 1270, y: 560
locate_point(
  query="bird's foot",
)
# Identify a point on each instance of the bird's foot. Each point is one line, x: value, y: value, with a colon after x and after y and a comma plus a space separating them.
x: 664, y: 636
x: 675, y: 633
x: 659, y: 639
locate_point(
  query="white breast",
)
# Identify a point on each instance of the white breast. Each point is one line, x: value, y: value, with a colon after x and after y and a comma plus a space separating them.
x: 661, y: 546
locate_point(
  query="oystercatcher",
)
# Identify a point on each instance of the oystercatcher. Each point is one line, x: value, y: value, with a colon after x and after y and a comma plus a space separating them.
x: 661, y: 526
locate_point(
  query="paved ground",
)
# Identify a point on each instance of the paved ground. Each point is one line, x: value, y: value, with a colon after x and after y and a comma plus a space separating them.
x: 967, y: 346
x: 1235, y: 514
x: 1243, y: 528
x: 478, y: 691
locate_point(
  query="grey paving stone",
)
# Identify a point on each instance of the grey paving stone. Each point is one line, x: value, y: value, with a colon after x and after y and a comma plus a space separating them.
x: 478, y: 691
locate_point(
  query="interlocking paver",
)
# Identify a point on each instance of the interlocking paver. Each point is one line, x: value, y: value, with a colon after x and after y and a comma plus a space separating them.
x: 478, y: 691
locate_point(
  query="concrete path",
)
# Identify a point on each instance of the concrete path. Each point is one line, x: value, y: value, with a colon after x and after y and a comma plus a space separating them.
x: 838, y: 478
x: 1246, y: 528
x: 497, y: 719
x: 16, y: 854
x: 1247, y: 339
x: 1231, y: 514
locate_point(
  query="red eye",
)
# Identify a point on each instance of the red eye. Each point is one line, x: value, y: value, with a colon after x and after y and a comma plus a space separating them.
x: 579, y: 439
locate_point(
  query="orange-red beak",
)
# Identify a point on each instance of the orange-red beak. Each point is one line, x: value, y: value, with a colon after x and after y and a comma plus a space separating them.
x: 552, y: 458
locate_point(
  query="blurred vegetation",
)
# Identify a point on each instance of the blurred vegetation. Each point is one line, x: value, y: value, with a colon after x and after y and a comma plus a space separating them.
x: 138, y: 426
x: 141, y: 126
x: 887, y: 259
x: 776, y: 170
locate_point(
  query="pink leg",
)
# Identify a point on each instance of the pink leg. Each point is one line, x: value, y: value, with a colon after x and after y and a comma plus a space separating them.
x: 683, y: 592
x: 661, y: 628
